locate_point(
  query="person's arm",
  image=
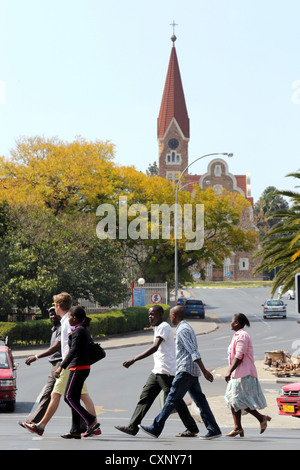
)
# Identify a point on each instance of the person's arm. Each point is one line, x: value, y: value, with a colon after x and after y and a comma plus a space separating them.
x: 234, y: 365
x: 53, y: 349
x: 240, y: 351
x: 144, y: 354
x: 76, y: 338
x: 204, y: 371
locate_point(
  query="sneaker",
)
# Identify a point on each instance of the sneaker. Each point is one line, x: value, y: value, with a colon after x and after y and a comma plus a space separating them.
x: 127, y: 430
x: 210, y: 435
x: 97, y: 432
x: 91, y: 430
x: 147, y: 431
x: 34, y: 428
x: 21, y: 423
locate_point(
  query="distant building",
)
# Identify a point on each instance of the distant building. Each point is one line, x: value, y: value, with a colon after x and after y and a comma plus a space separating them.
x: 173, y: 133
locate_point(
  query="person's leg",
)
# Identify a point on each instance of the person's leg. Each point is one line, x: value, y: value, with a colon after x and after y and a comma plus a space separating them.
x: 57, y: 393
x: 149, y: 392
x: 52, y: 407
x: 88, y: 403
x: 256, y: 414
x: 165, y: 382
x: 204, y: 408
x: 237, y: 419
x: 72, y: 398
x: 39, y: 411
x: 180, y: 386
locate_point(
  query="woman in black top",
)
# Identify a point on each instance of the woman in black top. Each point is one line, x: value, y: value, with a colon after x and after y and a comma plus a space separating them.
x: 78, y: 361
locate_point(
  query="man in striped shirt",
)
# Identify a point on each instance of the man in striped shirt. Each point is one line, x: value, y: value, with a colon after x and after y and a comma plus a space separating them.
x: 188, y: 368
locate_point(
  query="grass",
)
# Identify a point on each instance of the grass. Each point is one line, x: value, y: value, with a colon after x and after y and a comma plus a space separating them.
x: 226, y: 284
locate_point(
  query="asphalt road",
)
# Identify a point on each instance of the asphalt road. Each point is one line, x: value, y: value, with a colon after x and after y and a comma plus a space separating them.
x: 115, y: 391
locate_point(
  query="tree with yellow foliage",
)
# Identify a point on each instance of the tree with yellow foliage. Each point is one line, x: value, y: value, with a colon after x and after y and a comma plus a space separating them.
x: 59, y: 175
x: 80, y: 176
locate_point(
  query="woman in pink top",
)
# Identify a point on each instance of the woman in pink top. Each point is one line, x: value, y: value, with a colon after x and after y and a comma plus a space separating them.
x: 244, y: 393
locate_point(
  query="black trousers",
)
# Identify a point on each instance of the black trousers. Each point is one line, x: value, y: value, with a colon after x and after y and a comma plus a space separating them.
x: 154, y: 385
x: 72, y: 398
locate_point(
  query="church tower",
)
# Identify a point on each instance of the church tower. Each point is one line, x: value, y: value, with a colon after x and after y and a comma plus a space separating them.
x: 173, y: 124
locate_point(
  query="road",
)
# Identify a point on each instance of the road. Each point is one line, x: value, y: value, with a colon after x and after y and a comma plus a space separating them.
x: 115, y: 391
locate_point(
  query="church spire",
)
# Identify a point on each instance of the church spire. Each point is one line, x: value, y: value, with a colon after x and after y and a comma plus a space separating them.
x: 173, y: 101
x: 173, y: 124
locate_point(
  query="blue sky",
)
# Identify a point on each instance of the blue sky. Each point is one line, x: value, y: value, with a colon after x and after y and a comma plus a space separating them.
x: 97, y: 68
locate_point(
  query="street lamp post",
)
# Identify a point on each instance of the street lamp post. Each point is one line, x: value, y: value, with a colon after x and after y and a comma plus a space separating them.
x: 176, y: 214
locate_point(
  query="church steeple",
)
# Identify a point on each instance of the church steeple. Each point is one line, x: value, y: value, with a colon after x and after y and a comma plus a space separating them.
x: 173, y: 125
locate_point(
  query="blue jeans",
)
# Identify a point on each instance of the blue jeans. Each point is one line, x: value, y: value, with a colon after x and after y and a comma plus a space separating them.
x: 183, y: 383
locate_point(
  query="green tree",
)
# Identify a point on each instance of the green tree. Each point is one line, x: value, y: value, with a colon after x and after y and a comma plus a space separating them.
x: 280, y: 248
x: 152, y: 169
x: 46, y: 254
x: 270, y: 202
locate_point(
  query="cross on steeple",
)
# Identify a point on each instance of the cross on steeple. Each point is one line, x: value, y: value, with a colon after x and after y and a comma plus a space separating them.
x: 173, y: 24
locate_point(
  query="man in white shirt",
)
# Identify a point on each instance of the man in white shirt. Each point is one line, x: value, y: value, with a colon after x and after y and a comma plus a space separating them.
x: 161, y: 377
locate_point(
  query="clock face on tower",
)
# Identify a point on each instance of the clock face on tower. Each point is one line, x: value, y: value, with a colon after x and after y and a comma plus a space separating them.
x: 173, y: 144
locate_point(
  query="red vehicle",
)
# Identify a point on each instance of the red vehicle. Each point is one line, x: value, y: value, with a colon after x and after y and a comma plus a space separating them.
x: 8, y: 377
x: 289, y: 400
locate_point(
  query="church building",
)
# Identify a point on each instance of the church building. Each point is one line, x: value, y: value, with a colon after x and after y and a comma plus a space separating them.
x: 173, y: 133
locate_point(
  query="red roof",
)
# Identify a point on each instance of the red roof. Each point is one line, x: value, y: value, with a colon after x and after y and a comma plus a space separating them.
x: 173, y: 101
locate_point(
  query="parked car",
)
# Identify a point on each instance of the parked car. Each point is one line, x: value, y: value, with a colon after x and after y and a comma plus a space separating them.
x: 289, y: 400
x: 289, y: 294
x: 194, y: 307
x: 8, y: 377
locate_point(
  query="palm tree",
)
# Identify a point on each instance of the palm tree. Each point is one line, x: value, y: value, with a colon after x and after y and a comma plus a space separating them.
x: 280, y: 248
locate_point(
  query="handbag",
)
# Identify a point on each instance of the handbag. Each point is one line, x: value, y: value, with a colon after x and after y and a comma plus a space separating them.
x: 96, y: 352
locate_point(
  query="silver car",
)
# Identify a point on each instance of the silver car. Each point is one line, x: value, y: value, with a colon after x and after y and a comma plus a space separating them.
x: 274, y: 308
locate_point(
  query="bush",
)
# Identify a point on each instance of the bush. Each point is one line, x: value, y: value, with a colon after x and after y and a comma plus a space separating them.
x: 116, y: 321
x: 29, y: 332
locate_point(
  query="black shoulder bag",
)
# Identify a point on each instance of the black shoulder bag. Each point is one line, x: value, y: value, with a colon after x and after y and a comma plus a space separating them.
x: 96, y: 352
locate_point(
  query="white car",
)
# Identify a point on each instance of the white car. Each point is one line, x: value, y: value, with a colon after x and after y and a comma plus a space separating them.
x: 274, y: 308
x: 289, y: 294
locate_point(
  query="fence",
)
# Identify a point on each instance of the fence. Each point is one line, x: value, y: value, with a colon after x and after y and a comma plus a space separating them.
x: 155, y: 292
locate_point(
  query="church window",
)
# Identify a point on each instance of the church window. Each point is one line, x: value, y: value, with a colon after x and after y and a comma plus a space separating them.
x: 244, y: 264
x: 173, y: 158
x: 218, y: 170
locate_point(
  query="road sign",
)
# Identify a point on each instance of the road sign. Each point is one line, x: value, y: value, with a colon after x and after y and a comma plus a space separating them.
x: 156, y: 298
x: 139, y: 297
